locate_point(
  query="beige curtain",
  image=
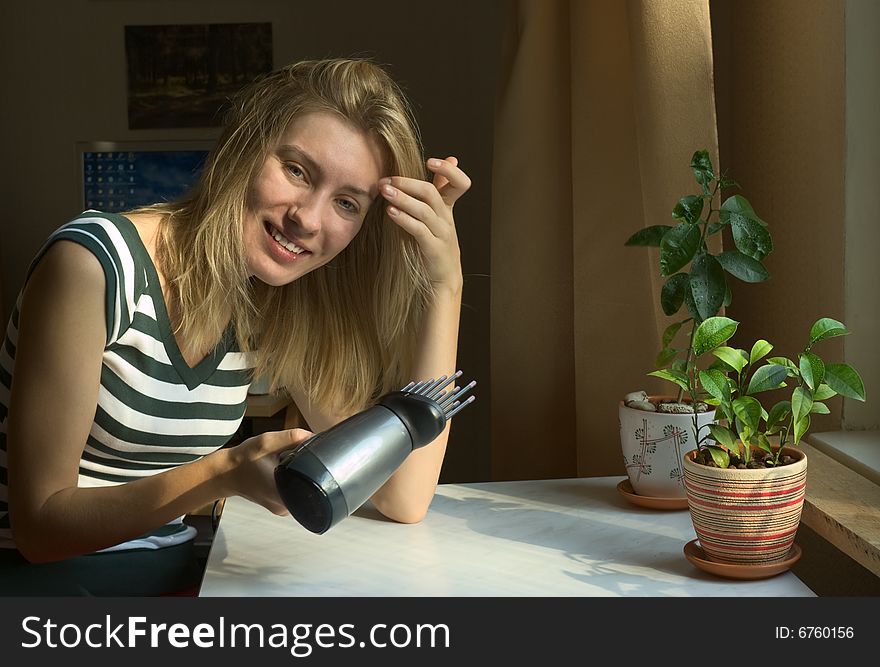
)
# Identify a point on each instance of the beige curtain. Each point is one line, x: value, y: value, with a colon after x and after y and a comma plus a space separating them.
x: 601, y: 105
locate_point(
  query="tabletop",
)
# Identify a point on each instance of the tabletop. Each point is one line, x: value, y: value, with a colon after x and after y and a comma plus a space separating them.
x: 534, y: 538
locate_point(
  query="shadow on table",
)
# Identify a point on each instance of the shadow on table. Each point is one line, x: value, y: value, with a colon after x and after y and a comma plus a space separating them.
x: 611, y: 544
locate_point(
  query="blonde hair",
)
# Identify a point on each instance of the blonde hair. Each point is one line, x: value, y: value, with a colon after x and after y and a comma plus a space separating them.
x: 344, y: 333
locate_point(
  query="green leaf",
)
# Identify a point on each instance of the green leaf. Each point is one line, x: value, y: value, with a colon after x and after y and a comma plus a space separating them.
x: 712, y: 333
x: 801, y: 403
x: 731, y: 358
x: 743, y: 267
x: 678, y: 247
x: 819, y: 409
x: 664, y: 357
x: 770, y: 376
x: 677, y: 377
x: 672, y: 293
x: 691, y: 306
x: 720, y: 456
x: 823, y: 392
x: 812, y: 370
x: 760, y: 349
x: 669, y: 333
x: 793, y: 370
x: 763, y: 443
x: 826, y: 328
x: 845, y: 380
x: 707, y: 285
x: 714, y: 228
x: 748, y: 411
x: 679, y: 365
x: 749, y: 232
x: 728, y: 295
x: 715, y: 382
x: 649, y: 236
x: 744, y: 431
x: 751, y: 239
x: 701, y: 163
x: 801, y: 427
x: 723, y: 435
x: 738, y: 206
x: 688, y: 208
x: 722, y: 413
x: 777, y: 416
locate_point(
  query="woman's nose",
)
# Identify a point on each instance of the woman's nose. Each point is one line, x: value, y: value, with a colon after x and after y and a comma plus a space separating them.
x: 306, y: 214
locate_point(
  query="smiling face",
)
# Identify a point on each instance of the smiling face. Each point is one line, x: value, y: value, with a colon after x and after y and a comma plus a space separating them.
x: 310, y: 198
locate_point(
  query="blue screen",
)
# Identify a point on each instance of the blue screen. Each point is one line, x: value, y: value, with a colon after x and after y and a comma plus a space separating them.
x: 115, y: 181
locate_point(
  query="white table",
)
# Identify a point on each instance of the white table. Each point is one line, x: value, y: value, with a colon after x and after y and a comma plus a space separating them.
x: 546, y: 538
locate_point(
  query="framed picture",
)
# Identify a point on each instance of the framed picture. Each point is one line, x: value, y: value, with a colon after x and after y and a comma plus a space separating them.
x: 182, y: 75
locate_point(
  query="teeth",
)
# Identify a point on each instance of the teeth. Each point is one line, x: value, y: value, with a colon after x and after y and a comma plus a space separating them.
x: 284, y: 242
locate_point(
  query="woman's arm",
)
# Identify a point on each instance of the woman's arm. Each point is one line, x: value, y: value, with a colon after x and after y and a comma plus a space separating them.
x: 423, y: 210
x: 62, y: 333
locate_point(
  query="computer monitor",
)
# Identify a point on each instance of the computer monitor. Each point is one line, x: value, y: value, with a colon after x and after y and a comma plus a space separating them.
x: 120, y: 175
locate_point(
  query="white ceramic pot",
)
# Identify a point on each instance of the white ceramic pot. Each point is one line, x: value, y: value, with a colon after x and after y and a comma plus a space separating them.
x: 654, y: 445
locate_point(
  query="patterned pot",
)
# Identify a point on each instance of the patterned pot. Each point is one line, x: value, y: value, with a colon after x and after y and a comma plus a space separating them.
x: 653, y: 446
x: 747, y: 517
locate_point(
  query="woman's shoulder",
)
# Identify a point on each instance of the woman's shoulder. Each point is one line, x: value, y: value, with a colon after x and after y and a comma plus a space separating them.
x: 70, y: 261
x: 101, y: 232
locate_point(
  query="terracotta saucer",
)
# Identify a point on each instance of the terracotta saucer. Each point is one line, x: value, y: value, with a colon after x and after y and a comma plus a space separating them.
x: 694, y: 553
x: 626, y: 490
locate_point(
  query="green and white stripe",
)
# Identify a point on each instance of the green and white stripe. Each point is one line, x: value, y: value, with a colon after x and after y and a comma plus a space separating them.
x: 153, y: 412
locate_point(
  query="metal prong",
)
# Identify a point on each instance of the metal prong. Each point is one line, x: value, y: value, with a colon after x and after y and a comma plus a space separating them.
x: 447, y: 381
x: 417, y: 388
x: 426, y: 391
x: 409, y: 386
x: 461, y: 392
x: 449, y: 398
x: 470, y: 399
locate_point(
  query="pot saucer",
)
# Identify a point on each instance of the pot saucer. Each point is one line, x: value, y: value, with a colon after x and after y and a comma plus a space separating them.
x: 694, y: 553
x: 626, y: 490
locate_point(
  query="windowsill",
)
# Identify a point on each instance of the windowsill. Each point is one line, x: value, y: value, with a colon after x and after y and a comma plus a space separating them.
x: 842, y: 505
x: 857, y: 450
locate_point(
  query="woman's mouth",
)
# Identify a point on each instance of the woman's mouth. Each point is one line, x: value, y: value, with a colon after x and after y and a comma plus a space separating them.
x: 282, y: 242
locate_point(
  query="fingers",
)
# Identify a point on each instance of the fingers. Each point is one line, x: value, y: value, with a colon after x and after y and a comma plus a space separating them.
x: 419, y: 199
x: 276, y: 442
x: 415, y: 202
x: 439, y: 180
x: 450, y: 181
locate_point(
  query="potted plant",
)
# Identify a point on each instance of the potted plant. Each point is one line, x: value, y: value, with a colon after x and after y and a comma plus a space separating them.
x: 746, y: 478
x: 655, y: 430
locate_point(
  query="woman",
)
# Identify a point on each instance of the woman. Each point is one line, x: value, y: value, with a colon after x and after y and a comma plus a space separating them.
x: 311, y: 252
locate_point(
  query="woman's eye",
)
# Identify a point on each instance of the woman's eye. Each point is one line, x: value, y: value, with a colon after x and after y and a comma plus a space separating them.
x: 295, y: 171
x: 348, y: 206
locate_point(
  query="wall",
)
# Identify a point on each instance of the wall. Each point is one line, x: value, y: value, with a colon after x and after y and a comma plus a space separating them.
x: 863, y: 205
x: 63, y: 69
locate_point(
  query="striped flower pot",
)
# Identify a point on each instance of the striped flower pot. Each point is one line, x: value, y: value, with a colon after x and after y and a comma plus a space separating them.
x: 746, y: 517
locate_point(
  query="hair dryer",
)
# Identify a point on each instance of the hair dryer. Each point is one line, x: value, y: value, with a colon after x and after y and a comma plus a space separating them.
x: 330, y: 475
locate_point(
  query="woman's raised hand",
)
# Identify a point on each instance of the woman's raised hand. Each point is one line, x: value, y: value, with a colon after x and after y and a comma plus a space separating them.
x: 424, y: 209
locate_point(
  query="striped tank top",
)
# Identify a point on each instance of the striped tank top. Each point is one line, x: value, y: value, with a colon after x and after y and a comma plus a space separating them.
x: 154, y: 412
